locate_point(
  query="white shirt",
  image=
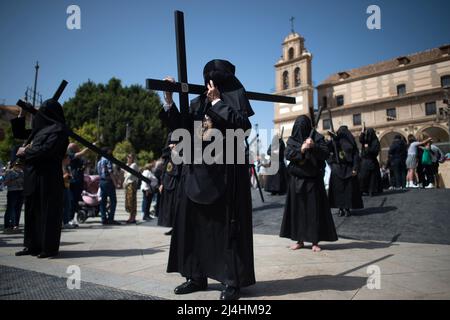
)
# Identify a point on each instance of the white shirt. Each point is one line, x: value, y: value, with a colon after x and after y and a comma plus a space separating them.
x: 129, y: 178
x: 148, y: 174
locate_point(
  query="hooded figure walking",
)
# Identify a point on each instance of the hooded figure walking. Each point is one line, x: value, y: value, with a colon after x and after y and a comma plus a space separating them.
x: 277, y: 183
x: 307, y: 216
x: 344, y: 192
x: 212, y: 232
x: 44, y: 185
x: 369, y: 175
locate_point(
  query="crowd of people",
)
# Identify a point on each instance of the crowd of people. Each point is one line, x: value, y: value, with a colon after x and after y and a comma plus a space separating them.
x: 411, y: 163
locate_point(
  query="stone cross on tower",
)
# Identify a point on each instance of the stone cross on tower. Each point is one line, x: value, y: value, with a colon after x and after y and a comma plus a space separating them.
x: 292, y: 24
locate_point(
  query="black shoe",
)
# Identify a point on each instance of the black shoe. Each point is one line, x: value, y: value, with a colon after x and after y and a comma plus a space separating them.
x: 341, y: 213
x: 44, y: 255
x: 230, y: 293
x: 191, y: 286
x: 114, y: 223
x: 26, y: 252
x: 347, y: 212
x: 168, y: 233
x: 147, y: 218
x: 104, y: 222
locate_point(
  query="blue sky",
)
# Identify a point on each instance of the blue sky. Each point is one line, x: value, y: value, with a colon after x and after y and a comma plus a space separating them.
x: 134, y: 40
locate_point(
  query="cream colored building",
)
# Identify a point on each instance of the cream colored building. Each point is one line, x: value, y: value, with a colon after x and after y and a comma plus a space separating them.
x: 399, y: 96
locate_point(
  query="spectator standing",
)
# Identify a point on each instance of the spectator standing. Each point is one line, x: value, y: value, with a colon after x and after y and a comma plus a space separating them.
x: 148, y: 191
x: 67, y: 194
x: 412, y: 159
x: 108, y: 185
x: 13, y: 180
x: 77, y: 167
x: 130, y: 185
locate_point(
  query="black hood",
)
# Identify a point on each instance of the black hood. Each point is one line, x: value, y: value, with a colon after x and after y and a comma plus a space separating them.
x: 222, y: 73
x: 49, y: 110
x: 302, y: 129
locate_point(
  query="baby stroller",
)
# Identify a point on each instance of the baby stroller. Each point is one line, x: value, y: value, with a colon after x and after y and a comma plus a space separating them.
x: 90, y: 206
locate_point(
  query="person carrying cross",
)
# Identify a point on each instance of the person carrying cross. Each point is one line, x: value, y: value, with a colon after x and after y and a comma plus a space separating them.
x: 43, y: 179
x: 212, y: 233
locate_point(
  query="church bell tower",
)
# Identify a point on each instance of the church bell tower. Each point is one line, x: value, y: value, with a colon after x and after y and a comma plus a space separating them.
x: 293, y: 78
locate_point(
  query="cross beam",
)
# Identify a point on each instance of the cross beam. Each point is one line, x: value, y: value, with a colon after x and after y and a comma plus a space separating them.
x: 184, y: 88
x: 29, y: 108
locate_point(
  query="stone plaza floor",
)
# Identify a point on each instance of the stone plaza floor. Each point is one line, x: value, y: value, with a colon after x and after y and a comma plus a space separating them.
x: 129, y: 262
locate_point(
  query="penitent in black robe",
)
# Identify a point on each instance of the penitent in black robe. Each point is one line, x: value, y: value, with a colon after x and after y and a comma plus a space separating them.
x: 170, y: 194
x: 307, y: 216
x: 212, y: 234
x: 344, y: 192
x: 369, y: 175
x: 277, y: 183
x: 43, y: 184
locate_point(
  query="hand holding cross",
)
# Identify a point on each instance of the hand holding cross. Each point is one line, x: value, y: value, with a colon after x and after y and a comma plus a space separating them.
x: 213, y: 93
x: 168, y: 96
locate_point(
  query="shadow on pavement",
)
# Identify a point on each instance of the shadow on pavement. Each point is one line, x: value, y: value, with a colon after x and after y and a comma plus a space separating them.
x: 357, y: 245
x: 305, y: 284
x: 106, y: 253
x: 373, y: 210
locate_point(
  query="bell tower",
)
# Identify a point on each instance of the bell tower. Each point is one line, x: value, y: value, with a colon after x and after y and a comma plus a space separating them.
x: 293, y: 78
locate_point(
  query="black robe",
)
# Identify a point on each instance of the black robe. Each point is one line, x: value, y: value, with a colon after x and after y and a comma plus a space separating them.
x: 369, y: 174
x: 168, y: 203
x: 43, y: 186
x: 344, y: 191
x: 212, y: 235
x: 277, y: 183
x: 307, y: 216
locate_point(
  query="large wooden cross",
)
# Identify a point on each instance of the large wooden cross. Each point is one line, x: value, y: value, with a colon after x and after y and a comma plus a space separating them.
x: 184, y: 88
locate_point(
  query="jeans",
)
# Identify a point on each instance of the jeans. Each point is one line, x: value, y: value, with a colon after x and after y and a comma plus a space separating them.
x: 107, y: 190
x: 14, y: 201
x: 67, y: 206
x: 146, y: 203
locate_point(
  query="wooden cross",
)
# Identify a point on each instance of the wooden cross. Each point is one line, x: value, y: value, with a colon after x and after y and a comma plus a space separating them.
x: 184, y: 88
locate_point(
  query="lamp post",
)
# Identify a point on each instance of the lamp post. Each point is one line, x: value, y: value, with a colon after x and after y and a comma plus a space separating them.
x: 98, y: 122
x: 35, y: 82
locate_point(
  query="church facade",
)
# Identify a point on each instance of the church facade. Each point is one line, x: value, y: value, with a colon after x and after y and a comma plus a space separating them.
x: 406, y: 95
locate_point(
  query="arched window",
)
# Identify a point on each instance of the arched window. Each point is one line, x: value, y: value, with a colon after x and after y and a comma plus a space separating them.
x: 291, y: 53
x: 285, y: 80
x: 297, y: 80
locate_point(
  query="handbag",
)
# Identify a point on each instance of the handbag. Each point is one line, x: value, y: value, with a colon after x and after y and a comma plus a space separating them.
x: 426, y: 157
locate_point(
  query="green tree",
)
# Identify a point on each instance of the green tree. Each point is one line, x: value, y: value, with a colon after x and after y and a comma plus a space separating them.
x: 89, y: 132
x: 144, y: 157
x: 119, y: 105
x: 122, y: 149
